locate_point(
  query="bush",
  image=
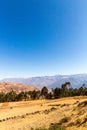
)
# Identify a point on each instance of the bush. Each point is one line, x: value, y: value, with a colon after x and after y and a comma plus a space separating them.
x: 82, y: 104
x: 52, y: 127
x: 64, y: 120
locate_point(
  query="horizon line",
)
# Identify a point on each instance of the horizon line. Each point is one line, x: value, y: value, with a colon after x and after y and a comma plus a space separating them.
x: 7, y: 77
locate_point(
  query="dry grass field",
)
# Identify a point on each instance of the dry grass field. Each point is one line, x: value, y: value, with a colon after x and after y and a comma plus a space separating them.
x: 70, y: 113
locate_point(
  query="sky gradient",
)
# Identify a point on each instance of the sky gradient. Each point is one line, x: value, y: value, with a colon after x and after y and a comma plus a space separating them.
x: 40, y: 38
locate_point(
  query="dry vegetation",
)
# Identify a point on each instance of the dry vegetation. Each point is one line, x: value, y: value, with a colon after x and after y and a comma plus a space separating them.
x: 7, y: 87
x: 70, y: 113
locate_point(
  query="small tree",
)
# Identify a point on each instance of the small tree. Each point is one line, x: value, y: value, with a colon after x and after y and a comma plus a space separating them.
x: 44, y: 92
x: 56, y: 92
x: 10, y: 96
x: 35, y: 94
x: 49, y: 95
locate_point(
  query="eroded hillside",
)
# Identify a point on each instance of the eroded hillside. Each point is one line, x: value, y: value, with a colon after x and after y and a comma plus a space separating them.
x: 8, y: 86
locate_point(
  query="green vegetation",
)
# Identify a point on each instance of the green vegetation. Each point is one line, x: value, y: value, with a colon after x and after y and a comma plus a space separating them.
x: 65, y: 91
x: 52, y: 127
x: 44, y: 91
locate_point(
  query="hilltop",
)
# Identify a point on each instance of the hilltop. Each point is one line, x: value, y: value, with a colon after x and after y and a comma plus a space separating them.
x: 8, y: 86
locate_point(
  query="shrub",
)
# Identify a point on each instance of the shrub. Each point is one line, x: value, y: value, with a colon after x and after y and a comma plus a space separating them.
x: 64, y: 120
x: 52, y: 127
x: 78, y: 122
x: 82, y: 104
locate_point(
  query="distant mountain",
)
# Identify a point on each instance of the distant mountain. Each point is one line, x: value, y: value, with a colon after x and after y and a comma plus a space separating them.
x: 7, y: 87
x: 51, y: 81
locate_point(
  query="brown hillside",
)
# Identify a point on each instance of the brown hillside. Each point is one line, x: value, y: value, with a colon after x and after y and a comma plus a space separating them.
x: 7, y: 86
x: 70, y: 113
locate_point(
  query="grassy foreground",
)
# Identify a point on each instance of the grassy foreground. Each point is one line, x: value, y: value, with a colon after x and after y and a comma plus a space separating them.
x: 60, y: 114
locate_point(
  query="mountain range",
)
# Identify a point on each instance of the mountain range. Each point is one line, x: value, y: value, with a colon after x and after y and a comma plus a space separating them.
x: 51, y: 81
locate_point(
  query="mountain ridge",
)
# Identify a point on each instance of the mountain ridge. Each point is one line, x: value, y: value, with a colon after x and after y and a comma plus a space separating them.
x: 51, y: 81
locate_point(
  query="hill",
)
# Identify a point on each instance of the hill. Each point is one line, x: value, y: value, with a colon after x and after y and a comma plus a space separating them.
x: 51, y: 81
x: 7, y: 86
x: 69, y: 113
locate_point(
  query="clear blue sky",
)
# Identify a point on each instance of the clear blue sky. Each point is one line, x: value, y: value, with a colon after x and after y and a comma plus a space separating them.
x: 43, y: 37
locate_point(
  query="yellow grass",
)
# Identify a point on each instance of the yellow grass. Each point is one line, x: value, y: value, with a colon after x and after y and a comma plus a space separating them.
x: 41, y: 113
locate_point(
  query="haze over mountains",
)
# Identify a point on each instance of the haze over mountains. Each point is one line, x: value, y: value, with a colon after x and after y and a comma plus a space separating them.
x: 51, y: 81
